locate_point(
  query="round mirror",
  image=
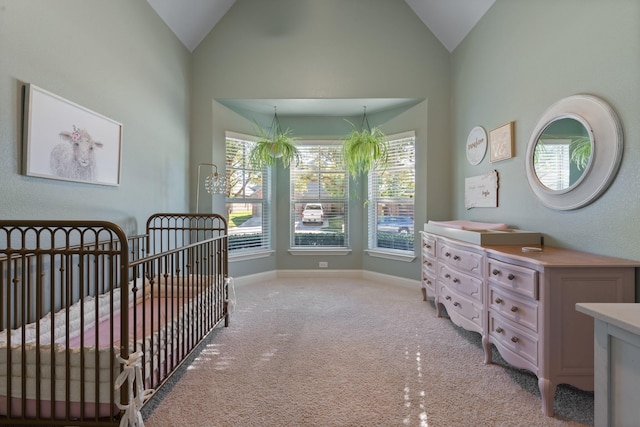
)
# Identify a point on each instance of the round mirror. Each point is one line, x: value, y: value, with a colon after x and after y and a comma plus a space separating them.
x: 574, y: 152
x: 562, y: 154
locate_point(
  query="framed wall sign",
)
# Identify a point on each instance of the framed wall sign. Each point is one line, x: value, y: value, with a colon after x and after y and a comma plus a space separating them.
x: 481, y: 191
x: 66, y: 141
x: 501, y: 143
x: 476, y: 145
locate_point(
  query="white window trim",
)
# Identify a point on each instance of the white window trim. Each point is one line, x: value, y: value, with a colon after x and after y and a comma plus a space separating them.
x: 246, y: 254
x: 319, y: 251
x: 396, y: 254
x: 243, y: 255
x: 324, y: 250
x: 393, y: 254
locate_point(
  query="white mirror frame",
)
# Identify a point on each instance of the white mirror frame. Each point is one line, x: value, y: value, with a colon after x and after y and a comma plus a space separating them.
x: 604, y: 125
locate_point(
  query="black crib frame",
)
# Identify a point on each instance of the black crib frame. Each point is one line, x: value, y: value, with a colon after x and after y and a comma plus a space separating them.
x: 48, y: 266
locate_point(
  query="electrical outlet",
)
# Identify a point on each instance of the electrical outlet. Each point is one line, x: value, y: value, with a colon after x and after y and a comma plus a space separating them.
x: 323, y: 264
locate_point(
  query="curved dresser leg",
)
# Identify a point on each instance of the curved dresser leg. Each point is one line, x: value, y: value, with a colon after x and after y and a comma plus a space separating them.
x: 548, y: 393
x: 486, y: 345
x: 424, y: 294
x: 436, y: 301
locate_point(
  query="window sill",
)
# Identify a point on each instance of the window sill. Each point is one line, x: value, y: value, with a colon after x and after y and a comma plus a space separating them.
x: 245, y: 255
x: 394, y: 255
x: 319, y: 251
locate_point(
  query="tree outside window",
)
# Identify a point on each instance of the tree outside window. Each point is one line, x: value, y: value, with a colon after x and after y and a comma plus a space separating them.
x: 391, y: 198
x: 248, y: 204
x: 319, y: 197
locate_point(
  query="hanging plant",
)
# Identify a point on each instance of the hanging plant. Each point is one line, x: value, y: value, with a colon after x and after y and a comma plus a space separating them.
x: 274, y: 144
x: 580, y: 148
x: 364, y: 149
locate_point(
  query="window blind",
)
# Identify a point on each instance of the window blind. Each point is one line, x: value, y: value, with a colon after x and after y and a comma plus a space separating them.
x: 391, y: 197
x: 319, y: 178
x: 553, y: 163
x: 248, y: 202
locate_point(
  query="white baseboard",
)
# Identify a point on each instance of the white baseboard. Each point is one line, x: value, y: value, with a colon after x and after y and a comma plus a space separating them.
x: 253, y: 278
x: 391, y: 280
x: 354, y: 274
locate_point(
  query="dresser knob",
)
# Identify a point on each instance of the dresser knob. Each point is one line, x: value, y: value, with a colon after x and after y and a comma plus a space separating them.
x: 447, y: 276
x: 499, y: 330
x: 456, y: 257
x: 456, y: 280
x: 511, y: 277
x: 456, y: 304
x: 447, y: 254
x: 427, y: 246
x: 515, y: 339
x: 495, y: 272
x: 514, y: 308
x: 429, y: 264
x: 448, y: 298
x: 429, y: 282
x: 498, y: 300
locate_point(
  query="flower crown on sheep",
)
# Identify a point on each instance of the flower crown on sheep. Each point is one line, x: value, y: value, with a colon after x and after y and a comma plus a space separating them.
x: 75, y: 135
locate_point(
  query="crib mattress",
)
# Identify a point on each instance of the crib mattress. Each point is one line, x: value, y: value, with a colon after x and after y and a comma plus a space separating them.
x: 157, y: 323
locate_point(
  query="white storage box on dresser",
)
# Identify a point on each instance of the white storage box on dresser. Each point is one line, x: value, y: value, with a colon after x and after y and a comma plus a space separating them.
x: 523, y: 302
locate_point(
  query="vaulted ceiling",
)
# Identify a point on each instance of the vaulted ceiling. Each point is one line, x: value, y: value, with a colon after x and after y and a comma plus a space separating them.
x: 449, y: 20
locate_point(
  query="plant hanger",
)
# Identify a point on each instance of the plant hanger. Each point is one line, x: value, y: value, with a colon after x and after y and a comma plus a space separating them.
x: 364, y: 149
x: 365, y: 120
x: 275, y: 129
x: 274, y: 144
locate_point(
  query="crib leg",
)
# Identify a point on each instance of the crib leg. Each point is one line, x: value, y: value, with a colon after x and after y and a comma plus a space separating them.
x: 226, y: 314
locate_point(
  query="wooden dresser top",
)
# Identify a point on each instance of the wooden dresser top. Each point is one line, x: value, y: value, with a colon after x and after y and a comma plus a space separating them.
x: 558, y: 257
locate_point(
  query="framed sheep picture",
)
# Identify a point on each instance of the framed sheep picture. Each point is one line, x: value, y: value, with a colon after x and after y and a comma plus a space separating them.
x: 63, y: 140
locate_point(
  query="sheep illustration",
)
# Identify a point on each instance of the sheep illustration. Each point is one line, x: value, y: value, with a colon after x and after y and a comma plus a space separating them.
x: 75, y: 157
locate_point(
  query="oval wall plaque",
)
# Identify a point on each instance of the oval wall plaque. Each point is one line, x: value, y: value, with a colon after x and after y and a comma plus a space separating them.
x: 476, y: 145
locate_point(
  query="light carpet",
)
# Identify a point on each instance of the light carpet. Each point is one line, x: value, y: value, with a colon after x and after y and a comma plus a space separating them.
x: 345, y: 353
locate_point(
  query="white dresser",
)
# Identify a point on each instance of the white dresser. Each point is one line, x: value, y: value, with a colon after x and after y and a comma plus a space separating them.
x: 523, y: 303
x: 460, y: 275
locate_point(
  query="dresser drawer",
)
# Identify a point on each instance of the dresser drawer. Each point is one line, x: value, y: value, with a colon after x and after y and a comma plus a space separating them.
x: 461, y: 259
x: 505, y: 333
x: 521, y: 280
x: 429, y: 283
x: 461, y: 308
x: 467, y: 285
x: 429, y: 245
x: 429, y: 265
x: 522, y: 311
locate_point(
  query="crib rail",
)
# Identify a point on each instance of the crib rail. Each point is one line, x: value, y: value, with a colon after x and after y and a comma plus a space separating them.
x: 45, y: 268
x: 186, y: 268
x: 67, y: 286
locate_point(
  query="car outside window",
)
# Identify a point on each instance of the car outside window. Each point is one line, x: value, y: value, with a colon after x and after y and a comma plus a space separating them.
x: 312, y: 213
x: 395, y: 224
x: 391, y: 198
x: 319, y: 197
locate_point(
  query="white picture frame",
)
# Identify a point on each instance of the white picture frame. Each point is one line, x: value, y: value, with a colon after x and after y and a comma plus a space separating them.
x: 481, y: 191
x: 63, y: 140
x: 476, y: 147
x: 501, y: 142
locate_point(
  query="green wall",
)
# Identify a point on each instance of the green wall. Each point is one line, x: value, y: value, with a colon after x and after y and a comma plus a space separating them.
x: 522, y: 57
x: 117, y: 58
x: 326, y: 49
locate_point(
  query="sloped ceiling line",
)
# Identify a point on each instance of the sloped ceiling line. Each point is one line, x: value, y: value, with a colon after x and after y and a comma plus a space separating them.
x: 449, y: 20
